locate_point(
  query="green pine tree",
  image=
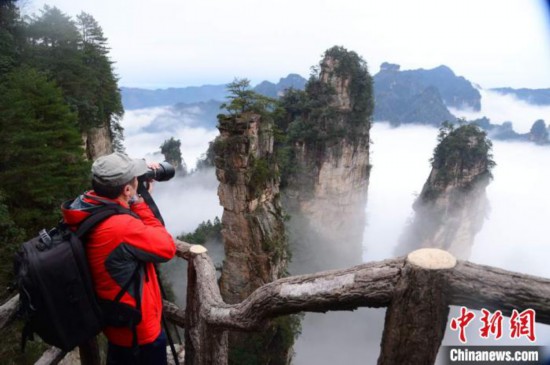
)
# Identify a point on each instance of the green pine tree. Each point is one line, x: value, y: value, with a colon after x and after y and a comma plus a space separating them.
x: 41, y: 156
x: 75, y: 54
x: 9, y: 31
x: 103, y: 83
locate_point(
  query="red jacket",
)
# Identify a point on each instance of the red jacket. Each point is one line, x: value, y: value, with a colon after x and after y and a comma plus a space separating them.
x: 114, y: 249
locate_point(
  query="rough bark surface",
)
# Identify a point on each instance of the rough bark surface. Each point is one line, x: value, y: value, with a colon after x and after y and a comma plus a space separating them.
x: 52, y: 356
x: 417, y: 294
x: 204, y: 344
x: 8, y: 311
x: 479, y: 286
x: 173, y: 313
x: 416, y: 318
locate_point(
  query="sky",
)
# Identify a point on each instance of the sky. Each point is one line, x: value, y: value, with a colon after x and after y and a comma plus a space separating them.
x: 171, y: 43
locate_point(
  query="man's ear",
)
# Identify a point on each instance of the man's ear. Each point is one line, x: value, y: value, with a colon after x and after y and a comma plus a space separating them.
x: 127, y: 190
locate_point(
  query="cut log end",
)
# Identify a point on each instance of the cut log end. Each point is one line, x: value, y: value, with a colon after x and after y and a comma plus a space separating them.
x: 432, y: 259
x: 197, y: 249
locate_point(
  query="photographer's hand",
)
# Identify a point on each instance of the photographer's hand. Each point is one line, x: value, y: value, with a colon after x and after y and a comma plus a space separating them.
x: 147, y: 184
x: 153, y: 166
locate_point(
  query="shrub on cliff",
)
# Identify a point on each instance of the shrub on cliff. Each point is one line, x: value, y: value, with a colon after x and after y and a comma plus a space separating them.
x: 206, y: 231
x: 311, y: 116
x: 459, y: 150
x: 242, y: 99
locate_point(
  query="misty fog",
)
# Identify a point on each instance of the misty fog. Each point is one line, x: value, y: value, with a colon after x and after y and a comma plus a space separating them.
x: 514, y: 235
x: 506, y: 108
x: 146, y: 129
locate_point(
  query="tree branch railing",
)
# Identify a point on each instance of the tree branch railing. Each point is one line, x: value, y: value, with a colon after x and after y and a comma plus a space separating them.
x: 417, y: 291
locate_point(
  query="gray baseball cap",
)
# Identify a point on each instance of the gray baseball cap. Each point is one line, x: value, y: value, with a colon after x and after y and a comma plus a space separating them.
x: 117, y: 169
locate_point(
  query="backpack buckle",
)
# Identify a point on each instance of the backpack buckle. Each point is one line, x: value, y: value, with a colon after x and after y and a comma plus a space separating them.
x: 45, y: 237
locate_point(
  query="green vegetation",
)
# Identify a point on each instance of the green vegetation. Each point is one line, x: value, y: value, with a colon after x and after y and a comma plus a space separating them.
x: 243, y: 104
x: 56, y: 82
x: 223, y: 148
x: 232, y: 155
x: 459, y: 150
x: 206, y: 231
x: 262, y: 171
x: 315, y: 119
x: 207, y: 159
x: 312, y: 118
x: 353, y: 67
x: 42, y: 161
x: 309, y: 117
x: 271, y: 346
x: 75, y: 56
x: 10, y: 236
x: 243, y: 99
x: 172, y: 154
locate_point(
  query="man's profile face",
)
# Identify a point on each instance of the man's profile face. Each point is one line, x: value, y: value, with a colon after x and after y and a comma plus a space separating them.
x: 130, y: 190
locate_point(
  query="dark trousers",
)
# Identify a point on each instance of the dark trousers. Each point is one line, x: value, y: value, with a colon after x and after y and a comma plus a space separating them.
x: 153, y: 353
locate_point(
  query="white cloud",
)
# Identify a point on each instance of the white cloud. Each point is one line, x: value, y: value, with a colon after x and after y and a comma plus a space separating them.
x: 186, y: 202
x: 135, y: 120
x: 501, y: 108
x: 514, y: 236
x: 140, y: 143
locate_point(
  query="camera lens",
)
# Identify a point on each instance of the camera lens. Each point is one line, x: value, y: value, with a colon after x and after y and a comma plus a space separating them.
x: 164, y: 173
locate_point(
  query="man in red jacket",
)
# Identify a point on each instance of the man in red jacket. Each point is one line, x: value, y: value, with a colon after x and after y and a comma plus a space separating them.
x: 121, y: 247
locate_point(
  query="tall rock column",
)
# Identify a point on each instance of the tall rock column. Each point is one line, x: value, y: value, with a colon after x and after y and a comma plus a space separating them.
x: 97, y: 142
x: 327, y: 191
x: 452, y: 206
x: 252, y: 226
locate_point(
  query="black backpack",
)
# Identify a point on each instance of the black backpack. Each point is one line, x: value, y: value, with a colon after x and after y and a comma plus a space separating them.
x: 57, y: 298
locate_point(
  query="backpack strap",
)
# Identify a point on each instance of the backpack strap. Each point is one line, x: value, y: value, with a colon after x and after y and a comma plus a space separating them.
x: 27, y: 334
x: 100, y: 214
x: 133, y: 327
x: 136, y: 280
x: 103, y: 212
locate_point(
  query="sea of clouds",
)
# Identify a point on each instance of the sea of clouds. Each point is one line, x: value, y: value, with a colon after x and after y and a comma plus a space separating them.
x: 501, y: 108
x: 514, y: 235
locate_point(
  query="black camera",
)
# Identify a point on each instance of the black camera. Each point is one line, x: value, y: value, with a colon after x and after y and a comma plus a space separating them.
x: 164, y: 173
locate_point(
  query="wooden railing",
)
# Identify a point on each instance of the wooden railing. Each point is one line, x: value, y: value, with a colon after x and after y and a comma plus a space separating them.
x: 417, y: 291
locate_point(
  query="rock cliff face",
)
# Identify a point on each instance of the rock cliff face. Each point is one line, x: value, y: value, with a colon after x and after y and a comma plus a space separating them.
x: 327, y: 192
x: 252, y: 221
x: 333, y: 212
x: 97, y: 142
x: 452, y: 205
x: 256, y: 249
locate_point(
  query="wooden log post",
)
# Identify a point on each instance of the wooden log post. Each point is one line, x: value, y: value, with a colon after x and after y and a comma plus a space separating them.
x: 204, y: 344
x: 417, y: 316
x: 478, y: 286
x: 52, y: 356
x: 8, y: 311
x: 173, y: 314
